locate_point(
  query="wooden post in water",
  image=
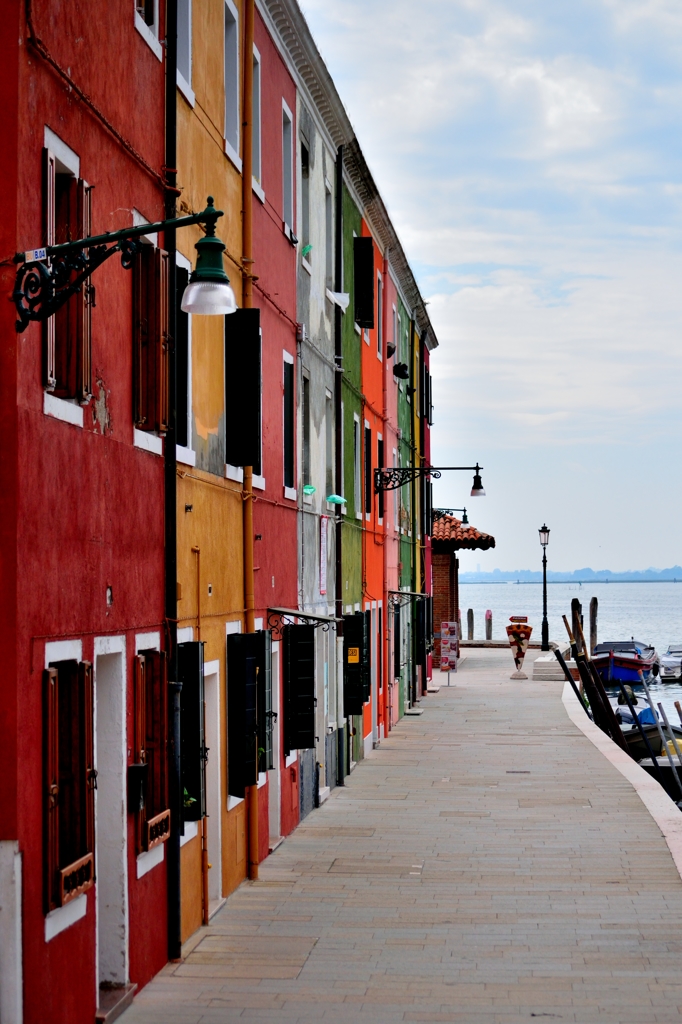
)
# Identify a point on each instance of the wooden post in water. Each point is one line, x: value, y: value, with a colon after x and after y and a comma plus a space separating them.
x: 470, y: 624
x: 594, y: 608
x: 488, y: 625
x: 576, y: 618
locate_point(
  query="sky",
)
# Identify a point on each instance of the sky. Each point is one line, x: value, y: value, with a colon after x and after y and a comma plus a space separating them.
x: 529, y: 155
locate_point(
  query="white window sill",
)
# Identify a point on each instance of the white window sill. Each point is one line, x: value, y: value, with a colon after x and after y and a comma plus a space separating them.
x: 60, y: 409
x: 258, y: 482
x: 291, y: 759
x: 306, y: 266
x: 365, y: 335
x: 290, y: 493
x: 368, y: 516
x: 262, y: 779
x: 331, y: 507
x: 233, y: 156
x: 329, y: 296
x: 358, y: 515
x: 191, y: 832
x: 234, y: 801
x: 147, y: 441
x: 307, y: 499
x: 149, y: 36
x: 186, y: 89
x: 150, y: 859
x: 357, y: 329
x: 63, y: 917
x: 187, y: 456
x: 185, y: 634
x: 289, y: 233
x: 235, y: 473
x: 255, y: 185
x: 380, y: 356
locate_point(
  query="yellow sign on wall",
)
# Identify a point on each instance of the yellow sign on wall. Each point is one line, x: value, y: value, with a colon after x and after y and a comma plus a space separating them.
x: 353, y: 655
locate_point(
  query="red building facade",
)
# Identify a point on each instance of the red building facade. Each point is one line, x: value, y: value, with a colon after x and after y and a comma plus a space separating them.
x: 82, y: 535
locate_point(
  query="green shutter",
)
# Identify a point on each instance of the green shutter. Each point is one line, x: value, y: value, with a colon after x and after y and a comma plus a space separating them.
x: 192, y: 743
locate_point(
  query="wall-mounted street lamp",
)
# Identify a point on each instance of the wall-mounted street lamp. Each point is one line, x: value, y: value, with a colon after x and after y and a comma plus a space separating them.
x: 392, y: 477
x: 440, y: 513
x: 48, y: 277
x: 544, y: 540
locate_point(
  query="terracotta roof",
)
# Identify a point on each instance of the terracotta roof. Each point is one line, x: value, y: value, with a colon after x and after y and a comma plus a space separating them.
x: 450, y: 530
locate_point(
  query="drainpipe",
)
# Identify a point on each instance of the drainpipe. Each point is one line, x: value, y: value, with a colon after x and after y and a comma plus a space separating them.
x: 416, y: 460
x: 338, y: 447
x: 170, y: 504
x: 247, y: 302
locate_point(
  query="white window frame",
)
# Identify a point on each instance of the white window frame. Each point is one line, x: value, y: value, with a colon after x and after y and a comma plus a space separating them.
x: 380, y: 316
x: 328, y: 235
x: 289, y: 492
x: 357, y: 466
x: 184, y: 82
x: 232, y: 125
x: 380, y: 519
x: 287, y: 169
x: 257, y: 181
x: 187, y: 455
x: 150, y: 33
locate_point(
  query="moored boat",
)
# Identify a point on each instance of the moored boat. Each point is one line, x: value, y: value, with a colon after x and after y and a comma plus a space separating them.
x: 622, y: 661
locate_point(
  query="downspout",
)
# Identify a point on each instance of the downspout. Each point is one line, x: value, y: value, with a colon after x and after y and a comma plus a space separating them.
x: 338, y: 446
x: 170, y: 502
x: 386, y: 653
x: 247, y: 295
x: 416, y: 461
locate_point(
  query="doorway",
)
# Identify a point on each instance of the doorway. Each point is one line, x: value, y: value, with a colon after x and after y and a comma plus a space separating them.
x: 111, y: 860
x: 274, y: 775
x: 213, y: 768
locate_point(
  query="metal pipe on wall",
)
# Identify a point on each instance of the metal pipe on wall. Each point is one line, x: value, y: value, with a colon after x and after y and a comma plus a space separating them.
x: 338, y: 445
x: 170, y: 499
x: 247, y: 296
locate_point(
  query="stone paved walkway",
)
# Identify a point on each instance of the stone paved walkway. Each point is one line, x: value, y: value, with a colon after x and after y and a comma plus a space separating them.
x: 486, y: 864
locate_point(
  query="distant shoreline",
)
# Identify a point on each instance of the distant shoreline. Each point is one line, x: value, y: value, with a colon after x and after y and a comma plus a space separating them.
x: 538, y: 583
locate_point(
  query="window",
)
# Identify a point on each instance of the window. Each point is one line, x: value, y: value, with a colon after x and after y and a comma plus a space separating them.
x: 289, y: 397
x: 69, y: 782
x: 150, y: 339
x: 305, y: 203
x: 193, y: 752
x: 328, y: 238
x: 368, y: 470
x: 287, y: 167
x: 183, y: 357
x: 243, y: 389
x: 256, y: 114
x: 150, y: 730
x: 380, y: 465
x: 185, y: 45
x: 306, y: 429
x: 299, y: 687
x: 147, y: 24
x: 232, y: 112
x: 357, y: 479
x: 380, y: 316
x: 146, y: 10
x: 67, y: 335
x: 394, y: 335
x: 329, y: 442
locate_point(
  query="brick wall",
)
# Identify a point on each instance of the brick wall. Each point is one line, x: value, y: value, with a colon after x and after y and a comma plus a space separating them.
x: 443, y: 596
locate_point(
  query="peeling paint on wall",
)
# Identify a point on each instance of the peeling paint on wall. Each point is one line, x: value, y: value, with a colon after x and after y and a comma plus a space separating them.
x: 101, y: 417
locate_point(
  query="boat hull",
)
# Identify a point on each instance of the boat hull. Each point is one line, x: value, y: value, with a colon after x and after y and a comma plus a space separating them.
x: 615, y: 667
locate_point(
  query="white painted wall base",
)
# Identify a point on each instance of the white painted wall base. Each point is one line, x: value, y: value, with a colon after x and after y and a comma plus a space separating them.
x: 11, y: 982
x: 147, y: 861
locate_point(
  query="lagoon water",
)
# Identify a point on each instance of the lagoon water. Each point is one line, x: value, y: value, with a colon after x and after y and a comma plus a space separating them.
x: 651, y: 612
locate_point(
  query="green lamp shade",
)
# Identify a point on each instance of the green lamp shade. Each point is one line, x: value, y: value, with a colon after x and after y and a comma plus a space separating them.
x: 336, y: 499
x: 309, y: 489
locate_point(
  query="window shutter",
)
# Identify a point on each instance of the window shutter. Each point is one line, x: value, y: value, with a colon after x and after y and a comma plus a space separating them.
x: 243, y: 389
x: 242, y: 712
x: 150, y: 339
x: 368, y: 470
x: 88, y: 770
x: 299, y: 672
x: 182, y: 367
x: 155, y: 819
x: 397, y: 654
x: 363, y: 281
x: 353, y: 640
x: 84, y: 303
x: 192, y: 729
x: 51, y: 775
x: 68, y: 318
x: 49, y: 172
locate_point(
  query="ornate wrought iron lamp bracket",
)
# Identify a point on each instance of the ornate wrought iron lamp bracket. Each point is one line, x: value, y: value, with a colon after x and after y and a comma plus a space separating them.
x: 47, y: 278
x: 278, y: 619
x: 392, y: 477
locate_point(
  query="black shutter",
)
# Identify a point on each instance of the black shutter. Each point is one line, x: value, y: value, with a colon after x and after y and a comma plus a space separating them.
x: 367, y: 656
x: 363, y: 281
x: 421, y: 633
x: 242, y: 716
x: 380, y: 465
x: 368, y: 470
x: 396, y: 642
x: 353, y: 644
x: 243, y: 389
x: 289, y: 425
x: 193, y: 746
x: 265, y: 712
x: 299, y: 687
x: 182, y: 360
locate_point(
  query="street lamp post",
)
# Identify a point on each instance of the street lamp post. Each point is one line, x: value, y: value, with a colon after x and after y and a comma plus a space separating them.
x: 544, y: 540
